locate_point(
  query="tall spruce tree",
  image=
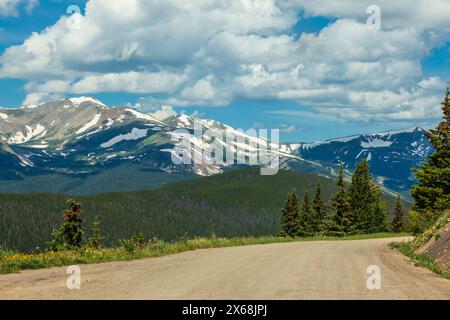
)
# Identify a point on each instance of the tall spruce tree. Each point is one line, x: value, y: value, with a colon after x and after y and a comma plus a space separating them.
x: 433, y: 191
x: 289, y: 215
x: 319, y: 208
x: 361, y: 197
x: 306, y: 218
x: 340, y: 203
x: 397, y: 222
x: 69, y: 234
x: 378, y: 222
x: 368, y: 210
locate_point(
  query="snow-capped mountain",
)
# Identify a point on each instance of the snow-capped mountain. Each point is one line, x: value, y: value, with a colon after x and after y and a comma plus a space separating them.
x: 392, y: 154
x: 82, y: 145
x: 82, y: 137
x: 51, y: 125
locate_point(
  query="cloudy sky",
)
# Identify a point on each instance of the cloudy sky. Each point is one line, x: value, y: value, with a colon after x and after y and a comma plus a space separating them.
x: 312, y: 68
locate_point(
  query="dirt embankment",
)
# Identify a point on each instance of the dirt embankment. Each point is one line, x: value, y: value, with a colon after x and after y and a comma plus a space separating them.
x: 438, y: 246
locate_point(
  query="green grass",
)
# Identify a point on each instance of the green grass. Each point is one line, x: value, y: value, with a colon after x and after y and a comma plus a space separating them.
x: 14, y: 262
x: 408, y: 249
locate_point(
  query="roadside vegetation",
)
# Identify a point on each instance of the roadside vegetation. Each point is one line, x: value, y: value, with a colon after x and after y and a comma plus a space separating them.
x: 421, y: 259
x: 71, y: 244
x: 431, y: 208
x: 68, y: 246
x: 138, y: 248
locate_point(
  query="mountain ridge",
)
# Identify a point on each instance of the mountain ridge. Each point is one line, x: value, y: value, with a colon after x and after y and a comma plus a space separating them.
x: 83, y: 137
x: 392, y: 154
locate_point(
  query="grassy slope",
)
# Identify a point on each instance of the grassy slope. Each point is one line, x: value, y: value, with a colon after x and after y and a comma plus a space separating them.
x: 429, y: 249
x: 233, y: 204
x: 407, y: 248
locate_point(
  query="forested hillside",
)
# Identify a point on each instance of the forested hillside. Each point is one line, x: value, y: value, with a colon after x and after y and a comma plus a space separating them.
x: 235, y: 203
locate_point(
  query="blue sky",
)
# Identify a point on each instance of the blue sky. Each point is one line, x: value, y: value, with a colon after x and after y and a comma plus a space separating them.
x: 313, y: 69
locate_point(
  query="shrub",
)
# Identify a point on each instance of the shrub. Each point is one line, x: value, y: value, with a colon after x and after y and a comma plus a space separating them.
x: 420, y: 221
x: 132, y: 244
x: 433, y: 231
x: 333, y: 233
x: 443, y: 220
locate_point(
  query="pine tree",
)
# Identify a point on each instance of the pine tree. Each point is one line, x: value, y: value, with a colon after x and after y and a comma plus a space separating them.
x: 95, y: 241
x: 397, y: 222
x: 289, y: 215
x: 340, y: 204
x: 368, y: 210
x: 433, y: 191
x: 69, y: 234
x: 305, y: 219
x: 362, y: 197
x: 319, y: 211
x: 378, y: 221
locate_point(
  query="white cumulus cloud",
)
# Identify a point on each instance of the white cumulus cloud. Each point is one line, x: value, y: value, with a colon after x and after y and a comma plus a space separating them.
x: 10, y: 8
x: 209, y: 53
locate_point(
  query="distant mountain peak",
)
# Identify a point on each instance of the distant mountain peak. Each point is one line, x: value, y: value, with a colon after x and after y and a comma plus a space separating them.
x: 84, y: 99
x: 398, y: 131
x: 392, y: 154
x: 384, y: 134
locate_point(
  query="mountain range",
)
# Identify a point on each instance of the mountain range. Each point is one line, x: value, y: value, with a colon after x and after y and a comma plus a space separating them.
x: 82, y: 146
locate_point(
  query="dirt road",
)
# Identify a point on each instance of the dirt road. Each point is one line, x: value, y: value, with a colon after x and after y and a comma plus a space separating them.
x: 301, y: 270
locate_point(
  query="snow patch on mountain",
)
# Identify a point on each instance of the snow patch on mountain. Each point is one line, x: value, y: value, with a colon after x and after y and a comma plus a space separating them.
x: 24, y: 162
x: 135, y: 134
x: 20, y: 137
x: 39, y: 146
x: 421, y: 150
x: 360, y: 153
x: 186, y: 120
x: 375, y: 143
x: 90, y: 124
x: 144, y: 116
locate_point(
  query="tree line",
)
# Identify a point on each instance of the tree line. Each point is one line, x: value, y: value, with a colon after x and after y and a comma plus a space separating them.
x: 356, y: 209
